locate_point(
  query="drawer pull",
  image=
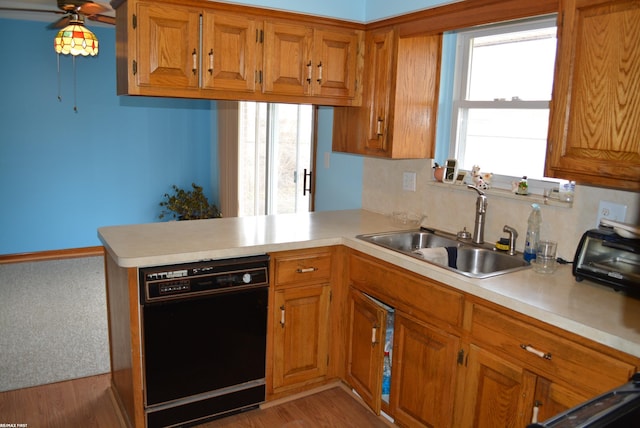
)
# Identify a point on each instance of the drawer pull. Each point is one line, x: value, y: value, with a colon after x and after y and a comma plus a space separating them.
x: 306, y: 270
x: 529, y: 348
x: 282, y: 316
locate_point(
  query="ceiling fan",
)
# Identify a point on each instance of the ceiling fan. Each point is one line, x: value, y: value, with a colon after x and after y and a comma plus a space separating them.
x: 72, y: 10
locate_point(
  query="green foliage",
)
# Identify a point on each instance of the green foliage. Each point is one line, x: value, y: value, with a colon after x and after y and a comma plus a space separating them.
x: 188, y: 204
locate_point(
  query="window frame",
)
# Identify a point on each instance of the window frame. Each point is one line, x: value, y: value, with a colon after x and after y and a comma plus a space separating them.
x: 459, y: 85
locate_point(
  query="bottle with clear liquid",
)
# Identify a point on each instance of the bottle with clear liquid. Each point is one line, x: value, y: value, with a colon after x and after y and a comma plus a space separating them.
x: 533, y: 233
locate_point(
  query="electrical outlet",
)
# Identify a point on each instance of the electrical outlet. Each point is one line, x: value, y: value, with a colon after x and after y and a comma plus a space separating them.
x: 611, y: 211
x: 409, y: 181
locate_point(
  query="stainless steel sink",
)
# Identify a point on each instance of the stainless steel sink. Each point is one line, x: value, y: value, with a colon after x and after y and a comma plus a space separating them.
x: 461, y: 256
x: 410, y: 240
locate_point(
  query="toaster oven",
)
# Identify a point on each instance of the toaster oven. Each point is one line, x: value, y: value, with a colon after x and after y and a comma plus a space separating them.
x: 605, y: 257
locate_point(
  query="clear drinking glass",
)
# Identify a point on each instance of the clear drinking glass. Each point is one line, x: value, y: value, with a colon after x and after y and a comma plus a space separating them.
x: 545, y: 261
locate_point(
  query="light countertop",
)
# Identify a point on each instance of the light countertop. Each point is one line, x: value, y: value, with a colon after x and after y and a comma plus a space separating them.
x: 584, y: 308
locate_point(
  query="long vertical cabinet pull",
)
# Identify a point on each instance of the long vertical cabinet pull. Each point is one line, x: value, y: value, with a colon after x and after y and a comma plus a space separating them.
x: 374, y: 333
x: 194, y: 56
x: 379, y: 127
x: 211, y: 62
x: 309, y: 72
x: 320, y: 73
x: 282, y: 316
x: 536, y: 409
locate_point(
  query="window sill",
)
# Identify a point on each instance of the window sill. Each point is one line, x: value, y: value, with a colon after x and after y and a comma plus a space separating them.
x: 531, y: 198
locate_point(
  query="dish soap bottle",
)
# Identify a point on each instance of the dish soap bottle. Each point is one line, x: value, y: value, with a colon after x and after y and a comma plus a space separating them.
x: 533, y: 233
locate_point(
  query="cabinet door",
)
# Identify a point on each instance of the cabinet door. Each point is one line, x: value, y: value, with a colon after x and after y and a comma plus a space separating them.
x: 168, y: 38
x: 334, y: 63
x: 424, y: 374
x: 300, y: 331
x: 378, y: 88
x: 497, y: 393
x: 229, y: 52
x: 551, y: 399
x: 288, y: 68
x: 594, y: 134
x: 365, y: 348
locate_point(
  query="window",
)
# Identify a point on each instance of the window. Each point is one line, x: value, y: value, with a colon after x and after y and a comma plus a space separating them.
x: 501, y: 92
x: 274, y: 153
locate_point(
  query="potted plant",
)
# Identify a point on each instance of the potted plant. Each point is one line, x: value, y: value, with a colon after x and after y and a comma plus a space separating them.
x: 188, y: 204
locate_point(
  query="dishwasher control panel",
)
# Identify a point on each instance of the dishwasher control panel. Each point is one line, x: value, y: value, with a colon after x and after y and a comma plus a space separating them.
x: 188, y: 280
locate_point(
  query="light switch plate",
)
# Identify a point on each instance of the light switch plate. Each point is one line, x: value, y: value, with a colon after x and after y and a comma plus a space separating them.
x: 611, y: 211
x: 409, y: 181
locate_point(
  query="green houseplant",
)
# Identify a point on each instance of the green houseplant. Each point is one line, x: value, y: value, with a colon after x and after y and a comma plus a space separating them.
x: 188, y: 204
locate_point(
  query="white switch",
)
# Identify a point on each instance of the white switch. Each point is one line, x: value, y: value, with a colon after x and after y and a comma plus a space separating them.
x: 611, y: 211
x: 409, y: 181
x: 327, y: 161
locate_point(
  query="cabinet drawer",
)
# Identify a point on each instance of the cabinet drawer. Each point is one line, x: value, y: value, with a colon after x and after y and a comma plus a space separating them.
x: 572, y: 362
x: 298, y: 268
x: 406, y: 291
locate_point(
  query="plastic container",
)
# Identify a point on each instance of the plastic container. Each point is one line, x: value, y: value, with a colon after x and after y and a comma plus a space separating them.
x: 533, y: 233
x: 523, y: 186
x: 386, y: 375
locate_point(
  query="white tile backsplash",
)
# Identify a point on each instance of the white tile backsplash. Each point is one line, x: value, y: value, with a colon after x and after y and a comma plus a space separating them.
x: 450, y: 208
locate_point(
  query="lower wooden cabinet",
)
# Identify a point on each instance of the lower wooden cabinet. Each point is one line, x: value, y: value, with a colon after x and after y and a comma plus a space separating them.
x: 365, y: 348
x: 300, y: 334
x: 300, y: 324
x: 423, y: 379
x: 501, y: 393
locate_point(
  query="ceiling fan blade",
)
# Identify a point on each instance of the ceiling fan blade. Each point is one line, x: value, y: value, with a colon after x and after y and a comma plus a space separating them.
x: 60, y: 23
x: 92, y: 8
x: 102, y: 18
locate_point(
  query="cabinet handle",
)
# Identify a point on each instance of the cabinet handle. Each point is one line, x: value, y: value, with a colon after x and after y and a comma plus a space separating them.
x: 194, y: 55
x: 211, y: 61
x: 320, y: 73
x: 529, y: 348
x: 379, y: 127
x: 374, y: 333
x: 306, y: 270
x: 282, y: 316
x: 536, y: 409
x: 309, y: 72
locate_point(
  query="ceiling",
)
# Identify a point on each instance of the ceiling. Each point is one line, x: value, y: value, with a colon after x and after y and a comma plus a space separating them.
x: 44, y: 5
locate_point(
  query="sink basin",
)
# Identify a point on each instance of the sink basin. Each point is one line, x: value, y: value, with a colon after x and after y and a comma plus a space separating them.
x: 463, y: 257
x: 483, y: 262
x: 410, y: 240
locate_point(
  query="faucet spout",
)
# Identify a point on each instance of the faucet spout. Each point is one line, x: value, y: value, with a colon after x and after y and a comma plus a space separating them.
x: 513, y: 234
x: 481, y: 211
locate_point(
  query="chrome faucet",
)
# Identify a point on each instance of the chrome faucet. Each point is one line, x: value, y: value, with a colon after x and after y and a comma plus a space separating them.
x: 481, y: 210
x: 513, y: 235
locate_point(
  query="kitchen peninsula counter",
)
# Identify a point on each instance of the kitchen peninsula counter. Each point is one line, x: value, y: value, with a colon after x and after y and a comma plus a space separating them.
x: 584, y: 308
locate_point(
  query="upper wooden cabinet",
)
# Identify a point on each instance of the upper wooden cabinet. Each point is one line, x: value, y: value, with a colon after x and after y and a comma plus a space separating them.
x: 199, y: 49
x: 594, y: 134
x: 301, y: 60
x: 169, y: 45
x: 401, y: 85
x: 228, y: 52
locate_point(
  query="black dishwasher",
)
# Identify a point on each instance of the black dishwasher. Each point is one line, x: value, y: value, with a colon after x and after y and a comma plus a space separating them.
x: 204, y: 339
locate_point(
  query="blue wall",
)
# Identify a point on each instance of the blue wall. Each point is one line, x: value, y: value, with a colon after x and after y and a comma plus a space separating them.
x: 64, y: 174
x: 339, y: 186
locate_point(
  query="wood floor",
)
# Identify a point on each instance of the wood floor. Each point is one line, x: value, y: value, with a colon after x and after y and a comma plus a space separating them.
x: 88, y: 403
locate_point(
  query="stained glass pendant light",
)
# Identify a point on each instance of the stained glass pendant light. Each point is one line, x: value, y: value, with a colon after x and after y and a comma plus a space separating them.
x: 75, y: 39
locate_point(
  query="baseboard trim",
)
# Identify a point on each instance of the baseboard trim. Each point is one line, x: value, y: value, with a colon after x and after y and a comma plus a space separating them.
x: 72, y: 253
